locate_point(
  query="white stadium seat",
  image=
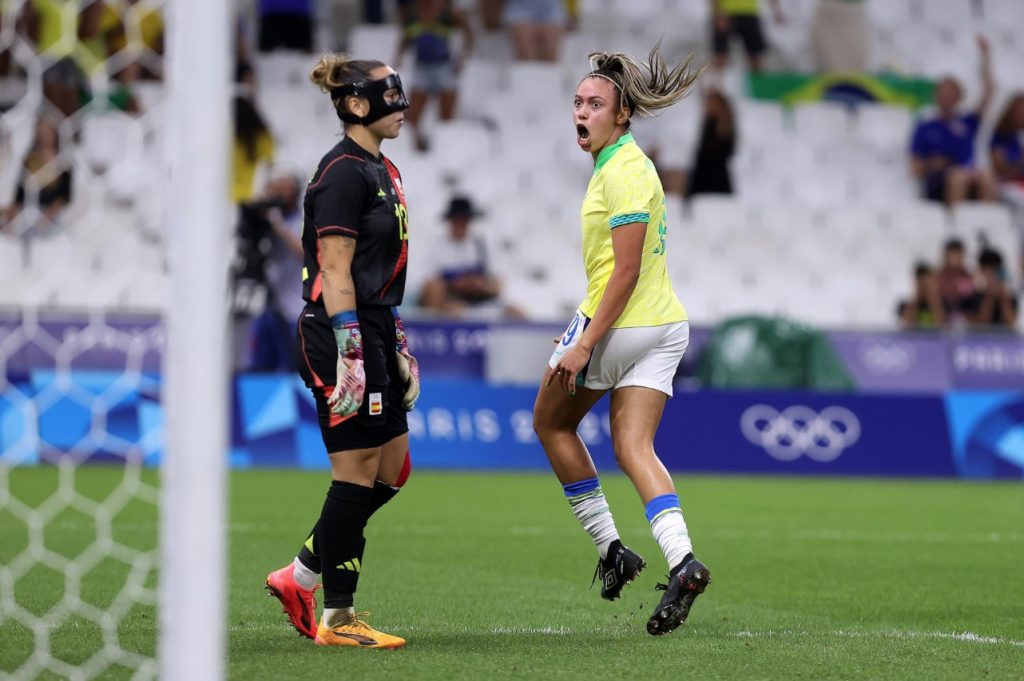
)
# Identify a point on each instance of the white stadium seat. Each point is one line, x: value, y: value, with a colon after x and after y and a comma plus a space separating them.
x: 375, y: 41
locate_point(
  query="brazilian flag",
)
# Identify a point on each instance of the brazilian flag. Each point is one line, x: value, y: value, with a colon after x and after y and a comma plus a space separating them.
x: 851, y: 88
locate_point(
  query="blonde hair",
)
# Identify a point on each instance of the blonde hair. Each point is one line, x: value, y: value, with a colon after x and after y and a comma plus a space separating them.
x: 335, y: 70
x: 644, y: 88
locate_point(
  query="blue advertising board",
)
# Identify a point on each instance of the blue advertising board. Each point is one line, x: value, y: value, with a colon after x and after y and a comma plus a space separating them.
x: 469, y: 424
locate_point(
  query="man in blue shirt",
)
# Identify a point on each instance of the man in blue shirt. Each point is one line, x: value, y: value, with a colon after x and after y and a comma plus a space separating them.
x: 942, y: 149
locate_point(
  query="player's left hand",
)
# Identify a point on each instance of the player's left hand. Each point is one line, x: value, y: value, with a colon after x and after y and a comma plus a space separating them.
x: 569, y: 366
x: 409, y: 370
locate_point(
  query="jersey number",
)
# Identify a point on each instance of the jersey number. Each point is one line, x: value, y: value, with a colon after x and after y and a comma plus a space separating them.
x: 402, y: 215
x: 662, y: 233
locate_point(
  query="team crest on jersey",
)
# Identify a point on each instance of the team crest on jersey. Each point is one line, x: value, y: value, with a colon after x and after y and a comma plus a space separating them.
x: 376, y: 404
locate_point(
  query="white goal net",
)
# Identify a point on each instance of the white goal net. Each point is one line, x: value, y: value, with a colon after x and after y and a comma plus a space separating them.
x: 112, y: 178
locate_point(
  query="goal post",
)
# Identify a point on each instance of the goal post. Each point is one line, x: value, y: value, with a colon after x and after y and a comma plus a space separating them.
x: 196, y: 372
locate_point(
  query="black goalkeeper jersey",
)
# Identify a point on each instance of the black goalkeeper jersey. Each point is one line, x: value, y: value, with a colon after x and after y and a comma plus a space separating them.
x: 355, y: 194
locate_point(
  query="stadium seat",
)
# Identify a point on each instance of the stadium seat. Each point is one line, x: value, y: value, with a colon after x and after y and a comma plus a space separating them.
x: 881, y: 184
x: 375, y: 41
x: 718, y: 214
x: 456, y: 145
x: 885, y: 129
x: 283, y: 69
x: 1003, y: 12
x: 479, y: 81
x: 821, y: 191
x: 12, y: 258
x: 762, y: 121
x: 892, y: 14
x: 915, y: 216
x: 952, y: 15
x: 109, y: 138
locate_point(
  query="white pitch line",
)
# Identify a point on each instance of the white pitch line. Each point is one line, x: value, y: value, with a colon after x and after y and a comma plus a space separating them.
x: 964, y: 636
x: 544, y: 631
x: 825, y: 534
x: 898, y: 634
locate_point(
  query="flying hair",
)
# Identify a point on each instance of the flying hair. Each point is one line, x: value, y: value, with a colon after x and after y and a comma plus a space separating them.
x: 644, y: 88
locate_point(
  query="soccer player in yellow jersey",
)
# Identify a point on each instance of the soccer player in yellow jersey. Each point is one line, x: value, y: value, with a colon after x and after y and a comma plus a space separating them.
x: 628, y: 335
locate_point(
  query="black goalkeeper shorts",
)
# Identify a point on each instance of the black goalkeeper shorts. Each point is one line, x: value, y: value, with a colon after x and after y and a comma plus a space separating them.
x: 381, y: 417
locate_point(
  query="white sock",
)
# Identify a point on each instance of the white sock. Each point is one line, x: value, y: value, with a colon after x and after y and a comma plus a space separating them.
x: 335, y: 617
x: 303, y: 576
x: 591, y: 509
x: 670, y: 532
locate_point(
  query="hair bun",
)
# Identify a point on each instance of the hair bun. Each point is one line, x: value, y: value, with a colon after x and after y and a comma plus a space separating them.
x: 330, y: 71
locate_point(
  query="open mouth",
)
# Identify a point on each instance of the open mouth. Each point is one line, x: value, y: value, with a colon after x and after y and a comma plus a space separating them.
x: 582, y: 133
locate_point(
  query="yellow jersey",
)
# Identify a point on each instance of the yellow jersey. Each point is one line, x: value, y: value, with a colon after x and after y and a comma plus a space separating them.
x: 736, y: 8
x: 624, y: 189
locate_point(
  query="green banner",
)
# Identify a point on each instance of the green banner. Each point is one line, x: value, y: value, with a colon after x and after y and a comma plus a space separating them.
x: 853, y: 88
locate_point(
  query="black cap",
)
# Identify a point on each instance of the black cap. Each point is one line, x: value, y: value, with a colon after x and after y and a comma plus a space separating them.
x: 461, y: 206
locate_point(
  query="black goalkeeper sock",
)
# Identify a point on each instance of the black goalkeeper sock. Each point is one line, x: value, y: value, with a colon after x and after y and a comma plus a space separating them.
x: 309, y: 555
x: 382, y: 494
x: 340, y: 541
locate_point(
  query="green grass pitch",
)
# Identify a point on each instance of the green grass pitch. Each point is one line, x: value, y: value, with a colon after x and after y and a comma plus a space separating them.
x: 487, y: 576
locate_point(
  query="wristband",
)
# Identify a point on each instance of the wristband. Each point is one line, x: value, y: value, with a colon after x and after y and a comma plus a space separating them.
x: 401, y: 341
x: 347, y: 334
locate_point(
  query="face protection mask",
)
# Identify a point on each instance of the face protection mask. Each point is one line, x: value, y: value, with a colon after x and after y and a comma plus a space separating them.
x: 373, y: 91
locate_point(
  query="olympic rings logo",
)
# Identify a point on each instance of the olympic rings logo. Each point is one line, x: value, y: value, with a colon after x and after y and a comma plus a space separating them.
x: 887, y: 358
x: 799, y: 430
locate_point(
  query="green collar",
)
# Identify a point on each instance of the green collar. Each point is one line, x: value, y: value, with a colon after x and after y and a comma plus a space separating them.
x: 609, y: 151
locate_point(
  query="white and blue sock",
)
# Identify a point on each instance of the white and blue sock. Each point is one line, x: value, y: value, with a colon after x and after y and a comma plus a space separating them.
x: 666, y: 518
x: 591, y: 508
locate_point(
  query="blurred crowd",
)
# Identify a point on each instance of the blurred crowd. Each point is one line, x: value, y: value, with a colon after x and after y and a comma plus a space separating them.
x: 98, y: 54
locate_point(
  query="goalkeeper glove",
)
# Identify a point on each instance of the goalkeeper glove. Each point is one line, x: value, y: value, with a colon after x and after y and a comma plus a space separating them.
x: 350, y: 384
x: 408, y: 367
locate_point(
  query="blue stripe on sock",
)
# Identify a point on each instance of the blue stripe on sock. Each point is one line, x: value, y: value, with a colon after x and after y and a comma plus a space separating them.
x: 659, y: 504
x: 581, y: 487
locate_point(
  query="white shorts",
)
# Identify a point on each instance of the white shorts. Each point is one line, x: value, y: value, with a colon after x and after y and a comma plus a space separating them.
x: 645, y: 356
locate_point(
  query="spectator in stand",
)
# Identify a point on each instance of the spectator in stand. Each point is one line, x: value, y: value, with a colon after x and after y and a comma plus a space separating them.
x: 286, y: 25
x: 253, y: 147
x: 536, y: 27
x: 273, y: 332
x: 710, y: 174
x: 839, y: 36
x: 74, y: 36
x: 429, y: 32
x: 942, y: 149
x: 956, y: 286
x: 924, y: 309
x: 741, y: 18
x: 463, y: 280
x: 44, y: 190
x: 140, y: 30
x: 993, y: 303
x: 1007, y: 162
x: 1005, y: 150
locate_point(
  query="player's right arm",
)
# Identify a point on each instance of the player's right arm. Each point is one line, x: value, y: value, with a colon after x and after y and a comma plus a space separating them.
x: 342, y: 197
